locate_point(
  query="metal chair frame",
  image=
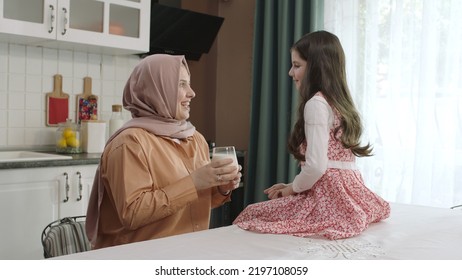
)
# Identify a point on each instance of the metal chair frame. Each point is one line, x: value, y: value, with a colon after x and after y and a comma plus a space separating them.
x: 46, y: 230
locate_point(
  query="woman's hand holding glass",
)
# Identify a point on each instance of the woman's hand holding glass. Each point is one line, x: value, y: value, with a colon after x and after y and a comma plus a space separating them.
x: 222, y: 171
x: 223, y: 155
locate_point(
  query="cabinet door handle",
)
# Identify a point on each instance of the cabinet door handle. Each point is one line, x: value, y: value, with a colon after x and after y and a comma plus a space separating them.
x: 52, y: 18
x: 67, y: 188
x: 80, y: 186
x: 65, y: 21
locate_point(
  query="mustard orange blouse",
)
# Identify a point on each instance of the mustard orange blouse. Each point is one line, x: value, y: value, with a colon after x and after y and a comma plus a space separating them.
x: 148, y: 191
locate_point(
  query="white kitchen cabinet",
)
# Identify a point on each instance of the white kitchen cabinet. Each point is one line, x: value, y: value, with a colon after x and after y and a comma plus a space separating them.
x: 101, y: 26
x: 31, y: 198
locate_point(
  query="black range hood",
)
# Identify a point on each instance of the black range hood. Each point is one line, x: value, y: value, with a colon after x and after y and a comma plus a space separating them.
x: 181, y: 32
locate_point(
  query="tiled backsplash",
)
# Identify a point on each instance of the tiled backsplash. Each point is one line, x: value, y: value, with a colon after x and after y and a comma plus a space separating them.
x: 26, y: 75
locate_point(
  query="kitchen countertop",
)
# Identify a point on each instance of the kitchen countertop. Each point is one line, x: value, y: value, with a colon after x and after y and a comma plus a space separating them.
x: 77, y: 159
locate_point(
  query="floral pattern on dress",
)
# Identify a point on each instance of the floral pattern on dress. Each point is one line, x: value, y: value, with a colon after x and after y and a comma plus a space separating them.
x: 339, y: 205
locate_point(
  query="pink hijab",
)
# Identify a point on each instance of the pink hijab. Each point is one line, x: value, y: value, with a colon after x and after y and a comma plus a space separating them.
x: 151, y: 95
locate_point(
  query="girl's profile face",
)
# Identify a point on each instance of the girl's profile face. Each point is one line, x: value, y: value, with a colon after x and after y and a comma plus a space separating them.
x: 185, y: 94
x: 297, y: 71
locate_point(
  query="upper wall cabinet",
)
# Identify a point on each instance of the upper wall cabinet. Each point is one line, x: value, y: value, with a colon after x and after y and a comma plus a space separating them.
x: 101, y: 26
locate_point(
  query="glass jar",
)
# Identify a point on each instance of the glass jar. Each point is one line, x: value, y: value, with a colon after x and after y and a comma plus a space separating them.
x: 68, y: 139
x: 116, y: 121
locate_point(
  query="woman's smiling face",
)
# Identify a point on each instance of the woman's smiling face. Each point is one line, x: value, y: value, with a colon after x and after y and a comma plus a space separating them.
x: 297, y: 71
x: 185, y: 94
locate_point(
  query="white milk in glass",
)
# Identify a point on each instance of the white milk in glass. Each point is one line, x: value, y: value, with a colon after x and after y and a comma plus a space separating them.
x: 225, y: 152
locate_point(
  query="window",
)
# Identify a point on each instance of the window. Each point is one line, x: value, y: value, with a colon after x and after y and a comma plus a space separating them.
x: 404, y: 67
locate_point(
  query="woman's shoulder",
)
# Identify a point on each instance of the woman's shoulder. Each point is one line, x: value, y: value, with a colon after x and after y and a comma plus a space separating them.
x: 198, y: 136
x: 140, y: 135
x: 134, y: 132
x: 133, y: 135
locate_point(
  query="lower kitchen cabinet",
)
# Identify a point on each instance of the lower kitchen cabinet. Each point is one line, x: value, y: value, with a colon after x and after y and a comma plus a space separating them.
x: 31, y: 198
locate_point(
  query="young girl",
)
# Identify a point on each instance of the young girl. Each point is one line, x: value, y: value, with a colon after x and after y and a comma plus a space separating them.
x: 328, y: 197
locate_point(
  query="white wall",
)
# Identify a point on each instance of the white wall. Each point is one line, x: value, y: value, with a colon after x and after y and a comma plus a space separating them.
x: 26, y: 75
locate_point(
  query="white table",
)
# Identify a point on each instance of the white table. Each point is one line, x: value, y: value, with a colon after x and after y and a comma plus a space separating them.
x: 411, y: 232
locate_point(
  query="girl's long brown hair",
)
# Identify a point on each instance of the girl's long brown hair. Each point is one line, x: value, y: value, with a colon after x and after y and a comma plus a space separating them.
x: 325, y: 72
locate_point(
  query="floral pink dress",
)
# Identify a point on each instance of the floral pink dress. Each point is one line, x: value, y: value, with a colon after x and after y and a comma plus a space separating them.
x: 337, y: 206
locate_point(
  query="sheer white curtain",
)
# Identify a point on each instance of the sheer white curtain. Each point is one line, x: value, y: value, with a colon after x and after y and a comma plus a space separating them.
x: 404, y: 67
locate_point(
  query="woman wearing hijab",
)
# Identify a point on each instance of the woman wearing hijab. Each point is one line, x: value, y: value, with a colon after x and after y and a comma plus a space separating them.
x: 155, y: 178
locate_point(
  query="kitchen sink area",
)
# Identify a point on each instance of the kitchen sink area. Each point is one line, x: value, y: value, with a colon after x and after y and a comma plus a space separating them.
x: 23, y: 158
x: 17, y: 156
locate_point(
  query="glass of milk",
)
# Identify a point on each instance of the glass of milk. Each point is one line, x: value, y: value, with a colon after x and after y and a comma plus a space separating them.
x: 225, y: 152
